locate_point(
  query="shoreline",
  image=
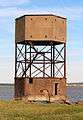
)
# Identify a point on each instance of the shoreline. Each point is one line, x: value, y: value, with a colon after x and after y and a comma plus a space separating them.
x: 67, y: 85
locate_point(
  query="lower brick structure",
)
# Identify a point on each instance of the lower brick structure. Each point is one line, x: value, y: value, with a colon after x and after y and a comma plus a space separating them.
x: 50, y: 89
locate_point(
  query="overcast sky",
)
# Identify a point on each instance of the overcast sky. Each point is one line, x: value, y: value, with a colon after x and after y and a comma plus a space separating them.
x: 72, y: 9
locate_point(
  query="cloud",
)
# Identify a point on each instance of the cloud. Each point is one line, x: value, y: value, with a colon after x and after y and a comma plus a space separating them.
x: 7, y: 69
x: 6, y: 3
x: 72, y: 13
x: 74, y: 71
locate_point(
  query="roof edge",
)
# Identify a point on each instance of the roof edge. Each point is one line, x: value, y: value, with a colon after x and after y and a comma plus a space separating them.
x: 40, y: 15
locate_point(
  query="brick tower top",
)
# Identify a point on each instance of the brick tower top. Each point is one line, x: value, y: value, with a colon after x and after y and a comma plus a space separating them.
x: 40, y: 29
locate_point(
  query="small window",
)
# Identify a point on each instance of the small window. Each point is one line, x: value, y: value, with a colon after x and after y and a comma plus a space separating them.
x: 45, y: 18
x: 45, y: 36
x: 30, y: 80
x: 31, y: 36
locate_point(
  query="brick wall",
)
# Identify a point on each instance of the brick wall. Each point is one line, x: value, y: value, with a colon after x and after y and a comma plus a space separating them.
x: 41, y: 87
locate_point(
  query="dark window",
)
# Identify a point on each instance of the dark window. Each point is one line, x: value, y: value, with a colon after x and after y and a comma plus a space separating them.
x: 30, y: 80
x: 45, y: 18
x: 56, y: 84
x: 45, y: 36
x: 31, y: 36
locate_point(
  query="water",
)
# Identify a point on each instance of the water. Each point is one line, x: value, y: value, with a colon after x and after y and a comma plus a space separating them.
x: 73, y: 93
x: 6, y: 92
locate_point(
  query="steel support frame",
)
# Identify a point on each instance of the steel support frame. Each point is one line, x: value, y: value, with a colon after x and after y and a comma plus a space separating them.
x: 41, y: 59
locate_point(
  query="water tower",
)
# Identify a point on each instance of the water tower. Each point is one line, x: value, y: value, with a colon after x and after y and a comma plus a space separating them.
x: 40, y: 57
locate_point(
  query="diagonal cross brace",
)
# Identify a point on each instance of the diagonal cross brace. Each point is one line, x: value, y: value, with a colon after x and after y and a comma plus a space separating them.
x: 30, y: 64
x: 33, y: 58
x: 59, y: 53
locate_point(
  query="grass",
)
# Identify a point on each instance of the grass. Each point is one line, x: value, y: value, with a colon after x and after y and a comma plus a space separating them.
x: 19, y: 110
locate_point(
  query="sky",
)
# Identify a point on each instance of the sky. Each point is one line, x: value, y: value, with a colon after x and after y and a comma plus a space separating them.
x: 71, y: 9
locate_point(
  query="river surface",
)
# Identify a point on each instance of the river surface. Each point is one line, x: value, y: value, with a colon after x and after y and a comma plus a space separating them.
x: 73, y: 93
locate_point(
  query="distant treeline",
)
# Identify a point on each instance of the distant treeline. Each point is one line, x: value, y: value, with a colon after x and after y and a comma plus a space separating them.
x: 74, y: 84
x: 68, y: 84
x: 7, y: 84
